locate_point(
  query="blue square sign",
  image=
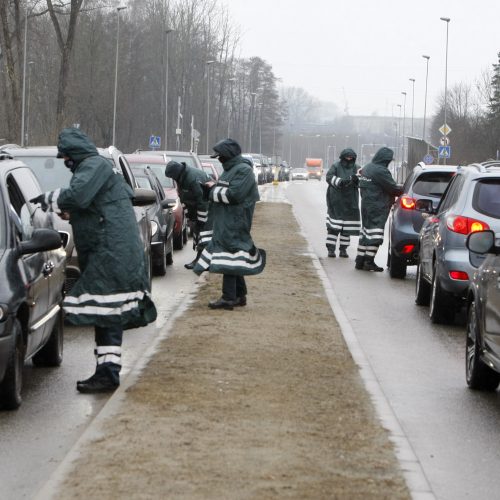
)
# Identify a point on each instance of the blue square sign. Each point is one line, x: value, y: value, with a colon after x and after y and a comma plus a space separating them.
x: 154, y: 141
x: 444, y: 151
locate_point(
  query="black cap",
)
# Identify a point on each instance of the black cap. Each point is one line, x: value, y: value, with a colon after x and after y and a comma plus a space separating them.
x: 60, y: 155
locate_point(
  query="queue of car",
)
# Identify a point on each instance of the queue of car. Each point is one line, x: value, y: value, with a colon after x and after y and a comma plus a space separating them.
x: 447, y: 222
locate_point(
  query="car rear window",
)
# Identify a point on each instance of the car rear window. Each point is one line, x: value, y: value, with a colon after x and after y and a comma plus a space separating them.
x: 486, y: 198
x: 432, y: 183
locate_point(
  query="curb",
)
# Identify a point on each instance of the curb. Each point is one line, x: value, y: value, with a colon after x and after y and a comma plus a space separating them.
x: 92, y: 432
x: 414, y: 475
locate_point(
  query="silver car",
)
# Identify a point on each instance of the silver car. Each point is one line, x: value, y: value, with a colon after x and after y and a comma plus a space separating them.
x: 470, y: 203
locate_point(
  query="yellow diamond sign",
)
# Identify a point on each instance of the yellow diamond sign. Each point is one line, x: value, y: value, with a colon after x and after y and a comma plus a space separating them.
x: 444, y: 129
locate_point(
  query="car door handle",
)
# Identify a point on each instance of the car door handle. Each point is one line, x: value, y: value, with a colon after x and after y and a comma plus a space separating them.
x: 48, y: 267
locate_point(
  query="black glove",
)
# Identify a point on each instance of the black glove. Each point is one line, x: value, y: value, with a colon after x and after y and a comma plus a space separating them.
x: 355, y: 180
x: 344, y: 183
x: 40, y: 200
x: 206, y: 190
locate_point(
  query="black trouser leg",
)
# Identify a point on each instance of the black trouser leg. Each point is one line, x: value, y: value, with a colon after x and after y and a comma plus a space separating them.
x: 241, y: 287
x: 108, y: 341
x: 229, y: 287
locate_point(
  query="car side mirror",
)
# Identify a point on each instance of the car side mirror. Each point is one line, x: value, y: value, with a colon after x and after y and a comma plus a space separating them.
x: 143, y: 197
x: 424, y: 205
x: 40, y: 241
x: 481, y: 242
x: 167, y: 203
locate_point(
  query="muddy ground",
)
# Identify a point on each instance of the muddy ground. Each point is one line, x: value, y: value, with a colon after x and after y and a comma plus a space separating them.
x: 261, y: 402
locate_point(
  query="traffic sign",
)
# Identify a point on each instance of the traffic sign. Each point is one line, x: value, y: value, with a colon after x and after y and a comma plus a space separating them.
x: 428, y: 159
x: 444, y: 129
x: 444, y: 141
x: 444, y: 151
x: 154, y: 141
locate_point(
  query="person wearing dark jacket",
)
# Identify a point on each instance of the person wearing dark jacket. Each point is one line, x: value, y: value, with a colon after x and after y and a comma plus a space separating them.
x: 189, y: 182
x: 231, y: 251
x: 378, y: 190
x: 112, y: 292
x: 342, y: 200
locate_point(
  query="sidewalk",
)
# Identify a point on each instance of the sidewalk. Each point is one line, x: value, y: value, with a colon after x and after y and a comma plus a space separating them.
x: 261, y: 402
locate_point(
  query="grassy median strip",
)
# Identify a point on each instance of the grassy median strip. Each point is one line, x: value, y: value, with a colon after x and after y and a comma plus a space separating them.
x: 260, y: 402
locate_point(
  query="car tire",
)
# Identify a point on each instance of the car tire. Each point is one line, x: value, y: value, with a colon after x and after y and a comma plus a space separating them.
x: 159, y: 261
x: 185, y: 235
x: 12, y: 383
x: 179, y: 241
x: 169, y: 258
x: 441, y: 307
x: 478, y: 375
x: 397, y: 266
x: 422, y: 289
x: 51, y: 354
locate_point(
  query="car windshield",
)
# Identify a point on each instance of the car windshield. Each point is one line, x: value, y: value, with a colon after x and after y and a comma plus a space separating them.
x: 487, y: 198
x: 432, y: 183
x: 159, y: 170
x: 51, y: 172
x: 143, y: 182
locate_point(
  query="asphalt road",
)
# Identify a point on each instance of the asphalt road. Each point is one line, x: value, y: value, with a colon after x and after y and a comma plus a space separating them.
x: 454, y: 431
x: 35, y: 438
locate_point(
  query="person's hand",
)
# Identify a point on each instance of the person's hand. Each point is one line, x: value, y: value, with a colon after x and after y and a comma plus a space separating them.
x: 210, y: 184
x: 344, y: 182
x: 355, y: 179
x: 41, y: 200
x: 64, y: 215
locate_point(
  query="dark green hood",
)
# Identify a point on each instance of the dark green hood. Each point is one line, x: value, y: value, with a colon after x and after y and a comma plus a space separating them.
x: 383, y: 156
x: 72, y: 142
x: 348, y: 152
x: 227, y: 148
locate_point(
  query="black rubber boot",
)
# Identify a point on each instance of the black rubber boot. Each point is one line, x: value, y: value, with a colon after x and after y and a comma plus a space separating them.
x: 343, y: 252
x: 360, y: 260
x: 96, y: 383
x: 370, y: 265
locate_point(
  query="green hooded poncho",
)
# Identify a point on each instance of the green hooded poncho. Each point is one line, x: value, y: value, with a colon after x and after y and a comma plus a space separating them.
x: 113, y: 286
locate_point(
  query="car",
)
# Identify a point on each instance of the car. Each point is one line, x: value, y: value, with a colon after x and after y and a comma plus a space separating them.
x: 469, y: 204
x: 284, y: 172
x: 299, y: 173
x: 216, y: 164
x: 482, y: 350
x: 162, y: 221
x: 157, y: 164
x: 52, y: 174
x: 404, y: 224
x: 257, y: 172
x: 32, y: 272
x: 210, y: 170
x: 188, y: 157
x: 264, y: 170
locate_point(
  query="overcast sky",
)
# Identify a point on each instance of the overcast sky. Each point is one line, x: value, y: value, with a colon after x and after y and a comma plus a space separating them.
x: 367, y: 50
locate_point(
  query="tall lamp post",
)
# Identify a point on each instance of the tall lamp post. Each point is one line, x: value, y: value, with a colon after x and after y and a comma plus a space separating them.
x: 230, y: 118
x: 251, y: 119
x: 412, y: 80
x: 447, y: 21
x: 30, y: 64
x: 404, y: 131
x: 208, y: 63
x: 167, y: 31
x: 425, y: 98
x: 118, y: 9
x: 398, y: 153
x: 24, y: 73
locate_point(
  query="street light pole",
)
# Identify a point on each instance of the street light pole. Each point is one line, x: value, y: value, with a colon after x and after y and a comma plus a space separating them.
x: 167, y: 31
x: 251, y: 119
x: 230, y: 118
x: 24, y: 73
x: 404, y: 131
x: 208, y: 63
x: 30, y: 64
x: 425, y: 98
x: 118, y: 9
x: 447, y: 21
x: 399, y: 133
x: 412, y: 80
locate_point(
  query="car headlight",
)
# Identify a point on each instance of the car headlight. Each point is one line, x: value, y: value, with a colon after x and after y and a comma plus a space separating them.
x: 154, y: 228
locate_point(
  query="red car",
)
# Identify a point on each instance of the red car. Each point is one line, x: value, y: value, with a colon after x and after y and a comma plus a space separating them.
x: 157, y: 163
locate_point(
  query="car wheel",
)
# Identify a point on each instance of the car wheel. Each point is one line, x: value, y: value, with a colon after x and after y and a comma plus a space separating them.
x: 51, y: 354
x: 185, y: 235
x: 422, y: 289
x: 179, y: 241
x: 397, y: 266
x: 477, y: 374
x: 12, y: 383
x: 169, y: 258
x: 159, y: 261
x: 441, y: 304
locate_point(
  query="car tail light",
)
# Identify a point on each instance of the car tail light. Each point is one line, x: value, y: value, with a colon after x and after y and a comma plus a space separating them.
x: 459, y: 275
x: 465, y: 225
x: 408, y: 249
x: 407, y: 202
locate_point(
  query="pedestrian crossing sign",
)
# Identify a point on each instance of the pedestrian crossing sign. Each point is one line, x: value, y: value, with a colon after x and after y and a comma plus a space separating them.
x: 154, y: 141
x: 444, y: 151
